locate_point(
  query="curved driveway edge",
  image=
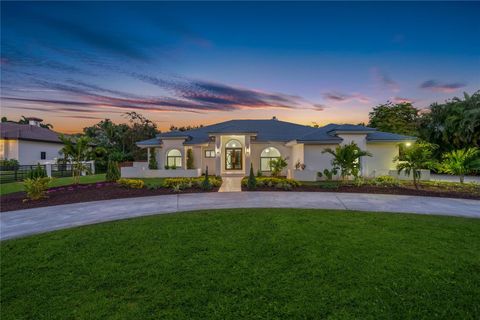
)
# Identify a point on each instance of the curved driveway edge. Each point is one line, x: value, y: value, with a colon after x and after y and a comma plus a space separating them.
x: 14, y: 224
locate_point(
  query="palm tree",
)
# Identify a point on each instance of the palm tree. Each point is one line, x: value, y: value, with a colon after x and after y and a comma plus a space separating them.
x: 461, y: 162
x: 347, y: 159
x: 415, y: 158
x: 77, y: 151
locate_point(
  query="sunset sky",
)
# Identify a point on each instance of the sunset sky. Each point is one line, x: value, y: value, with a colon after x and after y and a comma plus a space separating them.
x: 74, y: 64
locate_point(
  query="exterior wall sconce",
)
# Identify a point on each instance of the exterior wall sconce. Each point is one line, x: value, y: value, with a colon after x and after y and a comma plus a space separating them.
x: 408, y: 144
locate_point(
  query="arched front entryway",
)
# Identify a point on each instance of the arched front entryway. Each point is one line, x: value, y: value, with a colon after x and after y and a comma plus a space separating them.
x: 233, y: 155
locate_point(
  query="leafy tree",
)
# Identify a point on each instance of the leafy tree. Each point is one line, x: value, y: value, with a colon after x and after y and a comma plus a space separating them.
x: 415, y: 158
x: 461, y: 162
x: 185, y: 128
x: 190, y: 164
x: 252, y: 180
x: 277, y: 166
x: 113, y: 173
x: 152, y: 162
x: 347, y: 159
x: 452, y: 125
x: 398, y: 118
x: 77, y: 151
x: 140, y: 128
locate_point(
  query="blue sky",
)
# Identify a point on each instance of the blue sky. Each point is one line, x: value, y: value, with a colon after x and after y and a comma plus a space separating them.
x: 190, y: 63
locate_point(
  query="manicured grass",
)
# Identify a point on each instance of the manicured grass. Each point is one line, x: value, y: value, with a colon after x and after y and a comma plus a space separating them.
x: 248, y: 264
x: 12, y: 187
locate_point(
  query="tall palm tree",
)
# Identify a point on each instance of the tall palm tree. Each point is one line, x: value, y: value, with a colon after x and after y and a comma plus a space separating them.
x: 347, y: 159
x: 461, y: 162
x: 416, y: 157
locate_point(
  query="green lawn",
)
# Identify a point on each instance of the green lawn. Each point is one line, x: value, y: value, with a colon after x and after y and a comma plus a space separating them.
x: 248, y: 264
x: 7, y: 188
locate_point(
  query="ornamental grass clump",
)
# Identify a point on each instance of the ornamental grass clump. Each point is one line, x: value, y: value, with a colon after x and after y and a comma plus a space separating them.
x: 36, y: 188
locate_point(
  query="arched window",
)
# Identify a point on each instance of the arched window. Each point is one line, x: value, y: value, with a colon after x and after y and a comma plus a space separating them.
x: 174, y: 158
x: 233, y: 144
x: 267, y: 155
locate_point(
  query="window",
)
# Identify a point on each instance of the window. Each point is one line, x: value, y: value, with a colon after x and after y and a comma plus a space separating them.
x: 43, y: 155
x: 209, y: 153
x: 233, y: 144
x: 174, y: 158
x: 267, y: 155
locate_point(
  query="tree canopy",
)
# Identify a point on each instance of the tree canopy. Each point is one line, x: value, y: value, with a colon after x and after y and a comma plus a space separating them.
x: 452, y: 125
x: 398, y: 118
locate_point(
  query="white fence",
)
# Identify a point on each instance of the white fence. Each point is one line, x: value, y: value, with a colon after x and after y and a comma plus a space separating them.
x: 140, y: 170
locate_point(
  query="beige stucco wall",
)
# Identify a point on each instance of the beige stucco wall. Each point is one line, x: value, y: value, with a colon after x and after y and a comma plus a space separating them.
x: 315, y: 160
x: 210, y: 162
x: 382, y: 158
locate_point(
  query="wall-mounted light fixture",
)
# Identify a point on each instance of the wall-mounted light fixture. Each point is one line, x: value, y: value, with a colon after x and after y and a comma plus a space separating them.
x: 408, y: 144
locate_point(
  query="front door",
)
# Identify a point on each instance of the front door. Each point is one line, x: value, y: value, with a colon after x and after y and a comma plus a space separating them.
x: 233, y: 158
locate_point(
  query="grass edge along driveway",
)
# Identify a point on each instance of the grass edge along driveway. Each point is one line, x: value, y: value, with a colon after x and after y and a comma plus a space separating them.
x: 248, y: 263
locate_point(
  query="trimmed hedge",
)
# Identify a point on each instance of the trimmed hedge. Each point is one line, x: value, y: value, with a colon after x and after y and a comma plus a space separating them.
x: 278, y: 183
x: 184, y: 183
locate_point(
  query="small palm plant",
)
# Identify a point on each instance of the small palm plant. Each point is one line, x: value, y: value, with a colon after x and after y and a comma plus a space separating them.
x: 461, y: 162
x: 416, y: 158
x: 347, y: 159
x: 78, y: 151
x: 277, y: 165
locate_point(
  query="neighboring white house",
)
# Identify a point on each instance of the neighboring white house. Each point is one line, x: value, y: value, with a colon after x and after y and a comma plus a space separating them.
x: 231, y: 147
x: 29, y: 143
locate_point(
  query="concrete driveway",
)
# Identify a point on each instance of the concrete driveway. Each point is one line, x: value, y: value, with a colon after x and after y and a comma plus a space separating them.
x: 20, y: 223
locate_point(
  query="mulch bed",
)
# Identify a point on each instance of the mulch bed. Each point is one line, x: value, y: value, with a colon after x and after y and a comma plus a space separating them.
x: 380, y: 190
x: 83, y: 193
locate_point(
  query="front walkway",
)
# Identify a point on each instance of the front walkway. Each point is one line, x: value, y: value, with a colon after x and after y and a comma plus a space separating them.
x: 231, y: 184
x: 20, y: 223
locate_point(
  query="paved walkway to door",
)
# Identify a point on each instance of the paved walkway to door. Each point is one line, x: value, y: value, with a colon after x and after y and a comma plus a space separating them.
x: 14, y: 224
x: 231, y: 184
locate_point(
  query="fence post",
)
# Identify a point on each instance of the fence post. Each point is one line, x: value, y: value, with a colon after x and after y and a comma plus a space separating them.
x: 48, y: 169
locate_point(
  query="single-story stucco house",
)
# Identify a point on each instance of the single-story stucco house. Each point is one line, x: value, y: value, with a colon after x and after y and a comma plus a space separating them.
x: 230, y: 147
x: 29, y: 143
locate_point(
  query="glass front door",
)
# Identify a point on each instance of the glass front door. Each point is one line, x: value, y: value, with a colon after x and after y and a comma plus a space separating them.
x: 233, y: 158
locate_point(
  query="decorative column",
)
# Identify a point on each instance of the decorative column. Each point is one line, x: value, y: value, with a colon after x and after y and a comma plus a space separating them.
x: 218, y: 155
x: 248, y: 153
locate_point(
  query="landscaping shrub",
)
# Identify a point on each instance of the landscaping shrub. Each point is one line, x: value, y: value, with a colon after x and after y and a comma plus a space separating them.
x: 131, y: 183
x: 11, y: 163
x: 385, y: 181
x: 279, y: 183
x: 183, y: 183
x: 206, y: 185
x: 113, y: 173
x: 36, y: 188
x: 38, y: 172
x: 328, y: 185
x: 190, y: 164
x: 252, y: 181
x: 152, y: 162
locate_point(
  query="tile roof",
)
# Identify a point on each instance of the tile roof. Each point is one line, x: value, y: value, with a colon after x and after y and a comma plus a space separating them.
x: 274, y: 130
x: 15, y: 131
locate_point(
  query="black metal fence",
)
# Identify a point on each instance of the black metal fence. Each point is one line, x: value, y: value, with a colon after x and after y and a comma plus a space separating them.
x: 16, y: 173
x: 20, y: 172
x: 61, y: 170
